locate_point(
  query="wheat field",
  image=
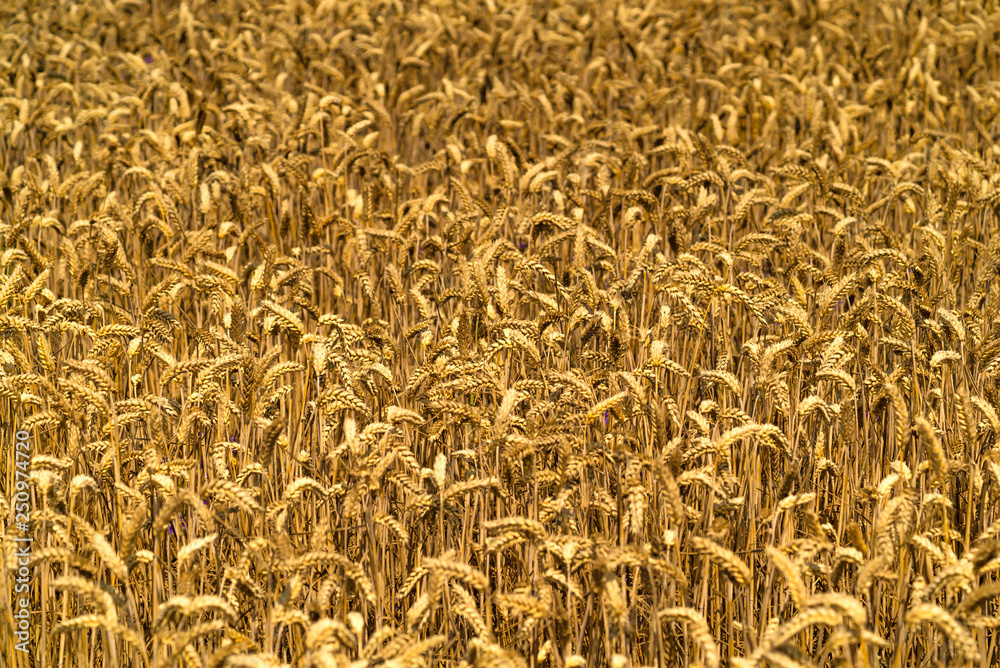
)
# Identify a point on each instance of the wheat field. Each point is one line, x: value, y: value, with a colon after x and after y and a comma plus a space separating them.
x: 384, y: 333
